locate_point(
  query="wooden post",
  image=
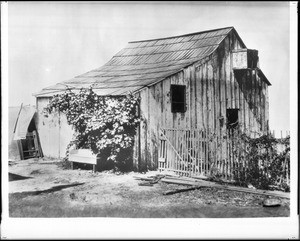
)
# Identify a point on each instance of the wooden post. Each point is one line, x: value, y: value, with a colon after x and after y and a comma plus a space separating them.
x: 36, y: 145
x: 201, y: 151
x: 94, y: 168
x: 20, y: 147
x: 18, y: 118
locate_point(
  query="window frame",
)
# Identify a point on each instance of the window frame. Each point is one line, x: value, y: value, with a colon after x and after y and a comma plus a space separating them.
x: 178, y: 110
x: 234, y: 124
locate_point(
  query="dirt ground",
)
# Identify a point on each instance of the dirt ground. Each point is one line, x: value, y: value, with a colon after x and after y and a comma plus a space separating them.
x: 43, y: 188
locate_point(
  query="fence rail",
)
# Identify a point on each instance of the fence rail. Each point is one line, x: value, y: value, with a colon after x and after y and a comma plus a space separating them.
x: 205, y: 152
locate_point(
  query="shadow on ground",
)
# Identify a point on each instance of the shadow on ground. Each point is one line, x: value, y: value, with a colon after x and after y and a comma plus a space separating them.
x: 16, y: 177
x: 50, y: 190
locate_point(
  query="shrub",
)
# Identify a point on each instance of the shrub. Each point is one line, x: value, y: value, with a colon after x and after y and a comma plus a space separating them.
x: 265, y: 164
x: 105, y: 125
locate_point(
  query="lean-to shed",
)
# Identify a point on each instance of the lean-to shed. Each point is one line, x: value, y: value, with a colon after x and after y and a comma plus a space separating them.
x: 23, y: 139
x: 207, y: 80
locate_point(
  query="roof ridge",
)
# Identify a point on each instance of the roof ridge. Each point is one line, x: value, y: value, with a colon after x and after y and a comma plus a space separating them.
x: 183, y: 35
x: 164, y: 52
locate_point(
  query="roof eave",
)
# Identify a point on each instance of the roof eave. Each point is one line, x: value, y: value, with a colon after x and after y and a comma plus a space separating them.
x: 202, y: 61
x: 262, y: 75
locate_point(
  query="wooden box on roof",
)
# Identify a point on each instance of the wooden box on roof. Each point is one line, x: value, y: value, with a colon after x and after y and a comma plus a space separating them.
x: 244, y: 58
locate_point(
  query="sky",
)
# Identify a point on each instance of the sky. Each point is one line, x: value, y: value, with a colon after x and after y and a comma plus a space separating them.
x: 49, y: 42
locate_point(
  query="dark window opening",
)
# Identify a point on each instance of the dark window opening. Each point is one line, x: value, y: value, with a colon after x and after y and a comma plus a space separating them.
x: 31, y: 126
x: 178, y: 98
x: 232, y: 118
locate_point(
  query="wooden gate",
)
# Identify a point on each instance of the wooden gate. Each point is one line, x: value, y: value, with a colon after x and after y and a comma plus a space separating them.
x: 185, y: 151
x: 195, y: 152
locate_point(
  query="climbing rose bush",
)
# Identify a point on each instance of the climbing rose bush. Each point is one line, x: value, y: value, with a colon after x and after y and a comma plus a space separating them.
x: 105, y: 125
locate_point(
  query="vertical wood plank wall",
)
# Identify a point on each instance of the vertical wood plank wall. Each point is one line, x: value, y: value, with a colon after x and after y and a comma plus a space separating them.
x: 54, y: 131
x: 211, y: 88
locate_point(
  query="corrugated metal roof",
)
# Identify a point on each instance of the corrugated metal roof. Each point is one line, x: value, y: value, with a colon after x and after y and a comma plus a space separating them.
x: 145, y: 62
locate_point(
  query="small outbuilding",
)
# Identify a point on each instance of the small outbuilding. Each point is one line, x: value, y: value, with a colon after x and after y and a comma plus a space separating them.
x: 23, y: 136
x: 194, y: 89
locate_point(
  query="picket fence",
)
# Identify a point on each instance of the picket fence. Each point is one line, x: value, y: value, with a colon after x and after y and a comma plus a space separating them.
x: 195, y: 152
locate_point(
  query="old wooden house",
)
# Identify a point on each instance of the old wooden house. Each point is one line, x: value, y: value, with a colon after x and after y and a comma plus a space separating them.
x: 193, y: 89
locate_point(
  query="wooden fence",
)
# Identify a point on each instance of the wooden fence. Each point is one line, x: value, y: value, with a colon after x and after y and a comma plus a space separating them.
x: 195, y: 152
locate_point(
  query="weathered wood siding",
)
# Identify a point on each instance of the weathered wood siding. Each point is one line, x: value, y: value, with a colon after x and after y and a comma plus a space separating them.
x: 212, y: 87
x: 54, y: 132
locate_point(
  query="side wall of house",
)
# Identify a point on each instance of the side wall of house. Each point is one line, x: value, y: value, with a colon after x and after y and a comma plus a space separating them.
x: 244, y: 90
x: 211, y: 89
x: 54, y: 131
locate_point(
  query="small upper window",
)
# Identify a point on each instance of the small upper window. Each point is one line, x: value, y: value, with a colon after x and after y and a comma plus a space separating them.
x: 178, y: 98
x: 232, y: 118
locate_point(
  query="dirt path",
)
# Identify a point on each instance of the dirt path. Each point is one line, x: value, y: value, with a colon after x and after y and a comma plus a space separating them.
x: 41, y: 188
